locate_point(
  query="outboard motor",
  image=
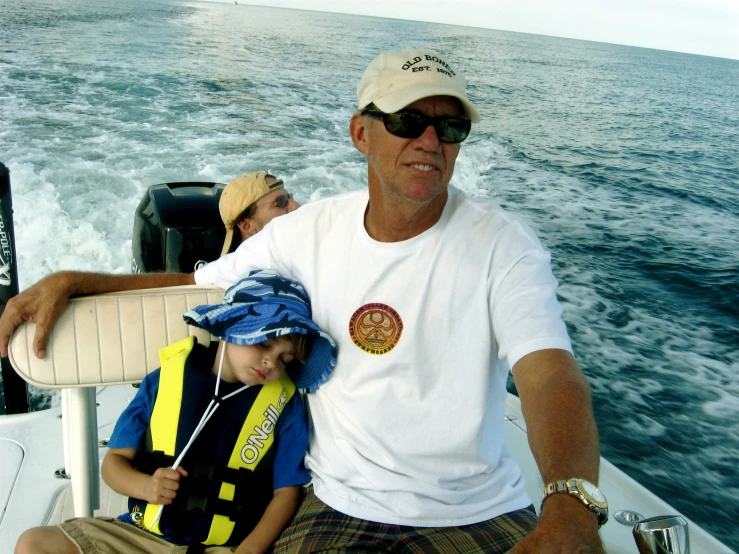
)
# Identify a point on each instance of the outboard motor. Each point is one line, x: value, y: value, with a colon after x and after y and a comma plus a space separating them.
x: 177, y: 227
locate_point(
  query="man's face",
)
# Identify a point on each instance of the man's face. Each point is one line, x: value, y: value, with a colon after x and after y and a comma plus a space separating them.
x: 416, y: 170
x: 267, y: 208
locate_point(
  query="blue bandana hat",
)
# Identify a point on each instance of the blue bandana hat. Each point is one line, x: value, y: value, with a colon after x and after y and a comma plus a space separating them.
x: 263, y: 305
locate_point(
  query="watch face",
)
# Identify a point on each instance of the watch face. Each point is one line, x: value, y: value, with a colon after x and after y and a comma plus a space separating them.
x: 592, y: 491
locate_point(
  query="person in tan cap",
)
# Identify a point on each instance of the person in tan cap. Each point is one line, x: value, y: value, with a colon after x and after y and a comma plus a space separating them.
x: 434, y: 298
x: 248, y: 203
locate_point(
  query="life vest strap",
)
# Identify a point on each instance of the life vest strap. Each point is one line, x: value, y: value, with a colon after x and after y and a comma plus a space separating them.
x: 210, y: 505
x: 149, y: 462
x: 231, y: 475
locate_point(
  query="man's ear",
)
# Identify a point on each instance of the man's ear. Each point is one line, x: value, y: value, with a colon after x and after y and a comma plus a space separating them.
x: 359, y: 131
x: 247, y: 228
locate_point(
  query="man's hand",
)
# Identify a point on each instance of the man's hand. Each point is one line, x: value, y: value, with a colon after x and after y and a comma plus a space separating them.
x: 566, y: 526
x: 163, y: 485
x: 43, y: 303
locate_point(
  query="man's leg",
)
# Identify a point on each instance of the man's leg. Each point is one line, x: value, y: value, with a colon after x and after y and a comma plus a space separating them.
x: 45, y: 540
x: 319, y: 528
x: 494, y: 536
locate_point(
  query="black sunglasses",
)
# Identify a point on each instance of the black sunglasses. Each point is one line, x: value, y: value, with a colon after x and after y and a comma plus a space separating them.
x: 412, y: 124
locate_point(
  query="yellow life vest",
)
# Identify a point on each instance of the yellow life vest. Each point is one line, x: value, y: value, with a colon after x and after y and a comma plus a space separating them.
x: 249, y: 430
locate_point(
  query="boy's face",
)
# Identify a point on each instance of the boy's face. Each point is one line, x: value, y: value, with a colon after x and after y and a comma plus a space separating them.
x: 259, y: 364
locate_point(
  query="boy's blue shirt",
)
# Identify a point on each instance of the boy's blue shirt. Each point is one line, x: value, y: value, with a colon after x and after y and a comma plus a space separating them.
x: 291, y: 434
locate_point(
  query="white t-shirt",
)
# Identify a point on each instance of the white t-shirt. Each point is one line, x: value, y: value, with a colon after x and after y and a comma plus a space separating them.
x: 409, y: 428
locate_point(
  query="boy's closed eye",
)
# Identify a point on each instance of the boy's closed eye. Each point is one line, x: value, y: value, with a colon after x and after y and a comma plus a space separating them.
x: 285, y: 357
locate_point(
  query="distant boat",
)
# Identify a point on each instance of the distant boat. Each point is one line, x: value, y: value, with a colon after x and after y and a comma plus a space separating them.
x: 235, y: 2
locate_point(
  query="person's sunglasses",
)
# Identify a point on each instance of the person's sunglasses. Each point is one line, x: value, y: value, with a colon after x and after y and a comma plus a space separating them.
x: 412, y: 124
x: 281, y: 201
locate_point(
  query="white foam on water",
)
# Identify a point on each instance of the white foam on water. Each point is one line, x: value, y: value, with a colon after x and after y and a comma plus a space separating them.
x: 632, y: 352
x: 87, y: 189
x: 725, y: 407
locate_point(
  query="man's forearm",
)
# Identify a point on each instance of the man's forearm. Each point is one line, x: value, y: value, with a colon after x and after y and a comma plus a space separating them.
x: 557, y: 407
x: 45, y: 301
x: 79, y: 283
x: 556, y: 404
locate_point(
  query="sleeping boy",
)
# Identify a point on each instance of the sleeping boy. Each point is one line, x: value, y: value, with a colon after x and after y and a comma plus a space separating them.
x: 210, y: 451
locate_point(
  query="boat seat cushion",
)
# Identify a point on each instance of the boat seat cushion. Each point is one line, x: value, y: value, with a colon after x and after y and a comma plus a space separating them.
x: 110, y: 339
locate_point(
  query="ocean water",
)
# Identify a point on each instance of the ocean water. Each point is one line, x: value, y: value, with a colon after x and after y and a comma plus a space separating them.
x: 624, y: 159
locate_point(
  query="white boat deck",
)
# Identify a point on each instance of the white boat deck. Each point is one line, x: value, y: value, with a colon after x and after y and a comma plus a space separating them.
x: 31, y: 451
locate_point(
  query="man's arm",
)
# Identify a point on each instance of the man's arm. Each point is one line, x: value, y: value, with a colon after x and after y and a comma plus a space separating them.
x: 278, y: 515
x: 45, y: 301
x: 557, y: 406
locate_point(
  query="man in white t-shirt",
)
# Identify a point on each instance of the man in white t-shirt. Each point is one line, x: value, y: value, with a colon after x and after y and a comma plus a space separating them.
x: 432, y: 297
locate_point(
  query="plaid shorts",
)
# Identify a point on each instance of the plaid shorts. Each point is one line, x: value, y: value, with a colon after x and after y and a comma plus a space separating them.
x: 319, y: 528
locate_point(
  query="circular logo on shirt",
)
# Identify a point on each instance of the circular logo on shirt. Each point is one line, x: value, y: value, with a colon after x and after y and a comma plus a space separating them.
x: 375, y: 328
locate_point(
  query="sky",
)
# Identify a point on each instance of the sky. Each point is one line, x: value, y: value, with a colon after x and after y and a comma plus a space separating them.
x: 705, y: 27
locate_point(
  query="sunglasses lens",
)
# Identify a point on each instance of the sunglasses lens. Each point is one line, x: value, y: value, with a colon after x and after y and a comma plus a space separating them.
x: 283, y: 200
x: 406, y: 124
x: 454, y: 129
x: 413, y: 125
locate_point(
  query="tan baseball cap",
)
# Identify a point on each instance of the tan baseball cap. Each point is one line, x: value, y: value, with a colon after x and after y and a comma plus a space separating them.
x: 395, y: 79
x: 241, y: 193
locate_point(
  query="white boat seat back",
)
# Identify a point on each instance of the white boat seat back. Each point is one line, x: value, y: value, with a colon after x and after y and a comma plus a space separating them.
x: 110, y: 339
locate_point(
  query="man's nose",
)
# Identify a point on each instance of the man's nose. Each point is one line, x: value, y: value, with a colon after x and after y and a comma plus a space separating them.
x: 292, y: 205
x: 429, y: 140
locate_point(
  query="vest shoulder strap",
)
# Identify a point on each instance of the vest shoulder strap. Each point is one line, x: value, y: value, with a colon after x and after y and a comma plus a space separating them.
x: 258, y: 432
x: 166, y: 413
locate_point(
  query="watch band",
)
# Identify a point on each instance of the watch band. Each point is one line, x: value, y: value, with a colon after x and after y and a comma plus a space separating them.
x: 578, y: 488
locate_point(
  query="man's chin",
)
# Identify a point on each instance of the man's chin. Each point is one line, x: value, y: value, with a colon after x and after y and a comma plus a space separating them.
x: 424, y: 193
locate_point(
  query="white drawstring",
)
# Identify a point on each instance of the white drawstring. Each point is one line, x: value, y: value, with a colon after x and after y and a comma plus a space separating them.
x: 209, y: 411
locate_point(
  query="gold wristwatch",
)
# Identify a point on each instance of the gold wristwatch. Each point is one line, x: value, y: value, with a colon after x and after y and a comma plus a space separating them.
x: 585, y: 491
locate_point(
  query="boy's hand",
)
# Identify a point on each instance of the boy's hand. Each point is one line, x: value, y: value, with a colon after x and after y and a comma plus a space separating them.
x: 162, y: 486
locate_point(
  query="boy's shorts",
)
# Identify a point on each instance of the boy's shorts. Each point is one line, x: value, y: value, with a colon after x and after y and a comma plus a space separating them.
x: 108, y: 535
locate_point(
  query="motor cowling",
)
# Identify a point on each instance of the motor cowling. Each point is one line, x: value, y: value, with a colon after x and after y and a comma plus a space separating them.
x: 177, y: 227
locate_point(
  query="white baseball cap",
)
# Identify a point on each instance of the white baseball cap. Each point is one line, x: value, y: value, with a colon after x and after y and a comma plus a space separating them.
x: 396, y: 79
